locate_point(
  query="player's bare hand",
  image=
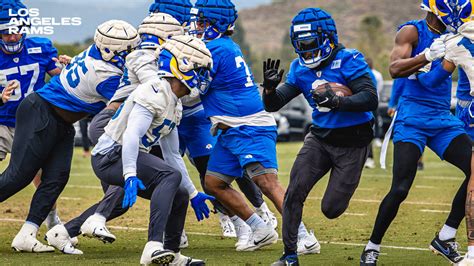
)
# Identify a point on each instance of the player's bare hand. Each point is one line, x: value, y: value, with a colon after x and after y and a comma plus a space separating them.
x: 391, y: 112
x: 272, y: 76
x: 62, y: 61
x: 8, y: 91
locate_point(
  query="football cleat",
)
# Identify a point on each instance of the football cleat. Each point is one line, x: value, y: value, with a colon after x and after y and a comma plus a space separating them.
x: 74, y: 241
x: 267, y: 216
x: 243, y: 232
x: 259, y: 238
x: 52, y: 220
x: 58, y: 237
x: 369, y: 257
x: 228, y: 229
x: 25, y: 241
x: 181, y: 260
x: 287, y: 260
x: 94, y: 227
x: 184, y: 241
x: 369, y: 163
x: 308, y: 244
x: 466, y: 261
x: 448, y: 249
x: 153, y: 253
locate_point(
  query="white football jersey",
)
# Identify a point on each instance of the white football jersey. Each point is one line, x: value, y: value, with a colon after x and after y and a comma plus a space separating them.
x: 156, y: 96
x: 460, y: 51
x: 141, y: 66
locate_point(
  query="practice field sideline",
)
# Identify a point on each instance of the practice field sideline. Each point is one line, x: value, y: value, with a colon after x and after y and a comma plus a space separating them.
x: 342, y: 239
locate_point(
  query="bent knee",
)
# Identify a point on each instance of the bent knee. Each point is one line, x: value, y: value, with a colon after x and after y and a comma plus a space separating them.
x: 333, y: 211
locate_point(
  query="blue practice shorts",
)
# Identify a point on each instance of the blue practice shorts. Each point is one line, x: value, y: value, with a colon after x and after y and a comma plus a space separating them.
x: 238, y: 147
x: 436, y: 133
x: 469, y: 130
x: 194, y: 135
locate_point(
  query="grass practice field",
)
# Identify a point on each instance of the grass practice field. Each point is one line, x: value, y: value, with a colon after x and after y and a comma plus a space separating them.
x: 342, y: 239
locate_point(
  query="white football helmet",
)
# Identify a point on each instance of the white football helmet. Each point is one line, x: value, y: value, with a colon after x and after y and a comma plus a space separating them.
x: 186, y: 58
x: 157, y: 28
x: 115, y: 39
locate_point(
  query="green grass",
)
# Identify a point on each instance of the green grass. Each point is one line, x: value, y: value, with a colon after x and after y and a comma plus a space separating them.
x: 433, y: 189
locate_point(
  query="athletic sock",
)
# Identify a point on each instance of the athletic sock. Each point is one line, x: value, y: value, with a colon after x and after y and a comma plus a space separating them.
x: 255, y: 222
x: 99, y: 217
x: 373, y: 246
x: 447, y: 232
x: 236, y: 221
x: 262, y: 207
x: 29, y: 228
x: 302, y: 232
x: 470, y: 252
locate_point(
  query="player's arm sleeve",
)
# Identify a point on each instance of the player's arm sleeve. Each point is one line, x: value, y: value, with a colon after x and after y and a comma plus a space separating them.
x: 364, y: 98
x: 108, y: 87
x: 170, y: 147
x: 283, y: 94
x: 139, y: 121
x: 434, y: 77
x: 51, y: 52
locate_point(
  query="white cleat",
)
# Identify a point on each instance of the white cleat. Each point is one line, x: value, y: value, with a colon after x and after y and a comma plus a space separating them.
x: 94, y: 227
x: 228, y: 229
x: 25, y: 241
x: 369, y: 163
x: 181, y: 260
x: 267, y: 216
x: 308, y: 245
x: 184, y: 241
x: 74, y: 241
x: 243, y: 232
x: 466, y: 261
x: 153, y: 253
x: 52, y: 220
x: 259, y: 238
x: 58, y: 237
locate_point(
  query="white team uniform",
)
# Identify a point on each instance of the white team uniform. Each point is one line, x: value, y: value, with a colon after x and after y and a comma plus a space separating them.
x: 460, y: 51
x: 156, y: 96
x: 141, y: 66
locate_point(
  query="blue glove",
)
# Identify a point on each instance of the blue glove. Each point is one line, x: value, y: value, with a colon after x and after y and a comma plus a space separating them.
x: 132, y: 185
x: 199, y: 205
x: 467, y: 115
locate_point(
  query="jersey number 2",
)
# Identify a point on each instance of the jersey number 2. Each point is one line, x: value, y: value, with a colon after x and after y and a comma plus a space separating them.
x: 240, y: 62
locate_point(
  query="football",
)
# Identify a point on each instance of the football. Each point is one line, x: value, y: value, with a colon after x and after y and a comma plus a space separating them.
x: 338, y: 88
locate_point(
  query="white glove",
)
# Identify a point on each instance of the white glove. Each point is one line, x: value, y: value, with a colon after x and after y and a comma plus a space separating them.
x: 437, y: 49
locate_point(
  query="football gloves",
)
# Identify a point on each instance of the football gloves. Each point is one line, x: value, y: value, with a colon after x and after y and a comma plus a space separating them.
x: 199, y: 205
x: 326, y: 98
x: 271, y: 76
x: 437, y: 49
x: 132, y: 185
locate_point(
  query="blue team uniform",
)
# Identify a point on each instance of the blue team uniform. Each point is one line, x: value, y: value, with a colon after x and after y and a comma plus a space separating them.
x: 195, y: 132
x: 347, y: 65
x: 29, y: 67
x: 464, y: 98
x: 233, y: 93
x: 397, y: 89
x: 423, y: 115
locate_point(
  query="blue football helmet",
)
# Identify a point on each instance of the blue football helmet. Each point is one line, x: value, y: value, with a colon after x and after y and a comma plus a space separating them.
x: 214, y: 18
x: 179, y: 9
x: 452, y: 13
x: 313, y: 34
x: 9, y: 27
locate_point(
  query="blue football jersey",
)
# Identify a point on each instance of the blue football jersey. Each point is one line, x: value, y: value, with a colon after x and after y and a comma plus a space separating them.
x: 347, y: 66
x: 233, y: 91
x: 85, y: 85
x: 416, y: 99
x: 29, y: 68
x: 464, y: 87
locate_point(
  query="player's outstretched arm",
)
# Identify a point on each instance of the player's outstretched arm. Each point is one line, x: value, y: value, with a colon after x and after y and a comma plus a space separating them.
x: 276, y: 95
x: 402, y: 64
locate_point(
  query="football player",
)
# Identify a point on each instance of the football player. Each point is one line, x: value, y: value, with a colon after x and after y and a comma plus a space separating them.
x: 150, y: 113
x: 246, y: 132
x: 460, y: 53
x: 340, y: 136
x: 44, y: 137
x: 423, y: 119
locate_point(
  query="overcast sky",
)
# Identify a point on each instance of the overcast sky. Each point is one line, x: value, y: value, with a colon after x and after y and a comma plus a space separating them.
x: 94, y: 12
